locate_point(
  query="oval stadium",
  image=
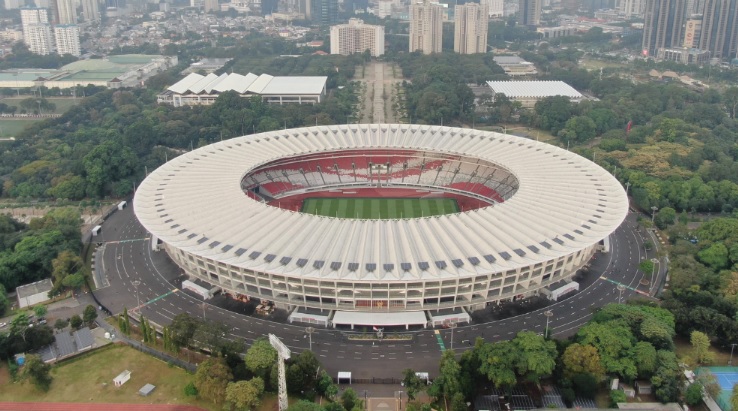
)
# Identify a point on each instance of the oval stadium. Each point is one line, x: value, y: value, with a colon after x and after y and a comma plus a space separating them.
x: 380, y: 224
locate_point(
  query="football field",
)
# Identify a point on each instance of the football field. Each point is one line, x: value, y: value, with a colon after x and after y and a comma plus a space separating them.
x: 379, y: 208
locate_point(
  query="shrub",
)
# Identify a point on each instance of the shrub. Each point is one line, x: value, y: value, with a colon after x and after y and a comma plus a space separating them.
x: 190, y: 390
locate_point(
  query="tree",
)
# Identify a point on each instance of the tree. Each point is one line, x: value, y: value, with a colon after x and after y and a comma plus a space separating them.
x: 38, y: 372
x: 448, y: 381
x: 585, y: 385
x: 617, y: 396
x: 498, y: 363
x: 579, y: 129
x: 89, y: 315
x: 693, y: 395
x: 734, y: 397
x: 75, y: 321
x: 701, y: 348
x: 260, y: 357
x: 536, y: 355
x: 40, y: 310
x: 212, y: 378
x: 349, y: 399
x: 65, y: 264
x: 413, y: 384
x: 646, y: 267
x: 244, y: 395
x: 644, y: 356
x: 60, y: 324
x: 183, y: 329
x: 578, y: 359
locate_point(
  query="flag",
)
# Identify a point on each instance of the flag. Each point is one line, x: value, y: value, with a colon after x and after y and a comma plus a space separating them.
x: 627, y: 128
x: 375, y: 328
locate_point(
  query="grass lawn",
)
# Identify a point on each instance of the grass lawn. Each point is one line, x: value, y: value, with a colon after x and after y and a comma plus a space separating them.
x: 376, y: 208
x: 90, y: 379
x: 11, y: 128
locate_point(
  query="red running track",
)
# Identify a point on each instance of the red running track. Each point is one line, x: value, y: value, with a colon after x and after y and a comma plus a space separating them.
x: 72, y: 406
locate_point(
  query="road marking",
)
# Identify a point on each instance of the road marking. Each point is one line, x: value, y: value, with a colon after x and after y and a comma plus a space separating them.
x: 441, y: 345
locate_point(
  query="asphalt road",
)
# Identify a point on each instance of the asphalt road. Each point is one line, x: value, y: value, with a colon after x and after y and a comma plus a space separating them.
x: 142, y: 279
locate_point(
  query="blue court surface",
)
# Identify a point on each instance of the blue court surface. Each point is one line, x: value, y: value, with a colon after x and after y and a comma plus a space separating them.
x: 726, y: 377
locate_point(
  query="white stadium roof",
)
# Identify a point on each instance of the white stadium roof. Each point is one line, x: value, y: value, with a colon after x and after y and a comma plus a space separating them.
x: 537, y: 89
x: 564, y: 203
x: 251, y: 83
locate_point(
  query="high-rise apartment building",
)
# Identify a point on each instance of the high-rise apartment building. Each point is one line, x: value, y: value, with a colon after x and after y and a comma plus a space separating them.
x: 495, y: 8
x: 470, y: 28
x: 36, y: 30
x: 631, y: 8
x: 67, y: 39
x: 357, y: 37
x: 66, y: 11
x: 663, y: 25
x: 719, y: 31
x: 426, y: 27
x: 529, y: 12
x: 90, y: 10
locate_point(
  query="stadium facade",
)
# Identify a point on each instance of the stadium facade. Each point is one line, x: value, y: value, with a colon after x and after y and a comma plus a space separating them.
x: 532, y: 215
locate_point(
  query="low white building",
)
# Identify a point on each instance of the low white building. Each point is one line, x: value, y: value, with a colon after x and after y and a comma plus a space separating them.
x: 529, y: 92
x: 34, y: 293
x: 196, y: 89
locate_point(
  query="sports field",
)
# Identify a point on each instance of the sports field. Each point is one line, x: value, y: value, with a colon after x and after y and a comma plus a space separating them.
x: 379, y: 208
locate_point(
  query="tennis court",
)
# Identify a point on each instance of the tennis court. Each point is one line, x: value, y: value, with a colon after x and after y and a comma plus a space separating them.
x: 379, y: 208
x: 726, y: 377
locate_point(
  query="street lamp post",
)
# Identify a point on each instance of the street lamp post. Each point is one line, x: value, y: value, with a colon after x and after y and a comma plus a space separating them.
x: 309, y: 331
x: 653, y: 213
x: 621, y: 288
x: 732, y: 346
x: 204, y: 305
x: 452, y: 325
x: 654, y: 261
x: 548, y: 314
x: 627, y: 186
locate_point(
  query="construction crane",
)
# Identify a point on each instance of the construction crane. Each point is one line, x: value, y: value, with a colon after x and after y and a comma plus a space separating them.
x: 284, y: 353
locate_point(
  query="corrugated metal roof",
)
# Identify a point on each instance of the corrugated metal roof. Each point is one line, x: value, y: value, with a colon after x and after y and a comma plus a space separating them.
x: 538, y: 89
x: 258, y: 85
x: 558, y: 192
x: 183, y: 85
x: 295, y: 85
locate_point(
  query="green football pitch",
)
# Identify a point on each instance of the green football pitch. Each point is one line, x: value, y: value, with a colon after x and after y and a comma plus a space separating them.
x: 379, y: 208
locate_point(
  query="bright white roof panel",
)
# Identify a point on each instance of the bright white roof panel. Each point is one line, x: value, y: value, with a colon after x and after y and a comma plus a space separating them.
x: 203, y: 83
x: 295, y: 85
x: 537, y: 89
x: 258, y: 85
x: 215, y: 83
x: 183, y: 85
x: 563, y: 199
x: 379, y: 319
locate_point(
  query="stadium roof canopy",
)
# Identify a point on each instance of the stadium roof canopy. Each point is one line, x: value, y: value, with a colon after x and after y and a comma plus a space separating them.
x: 251, y: 83
x: 534, y: 89
x: 564, y: 203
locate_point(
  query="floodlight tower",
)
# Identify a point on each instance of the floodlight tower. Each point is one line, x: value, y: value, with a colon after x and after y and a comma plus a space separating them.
x: 284, y: 353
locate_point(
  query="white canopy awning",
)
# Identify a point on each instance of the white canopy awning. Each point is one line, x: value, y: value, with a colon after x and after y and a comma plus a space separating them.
x: 379, y: 319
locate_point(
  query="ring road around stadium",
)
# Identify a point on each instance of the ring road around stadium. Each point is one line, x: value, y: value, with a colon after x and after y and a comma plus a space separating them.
x: 380, y: 224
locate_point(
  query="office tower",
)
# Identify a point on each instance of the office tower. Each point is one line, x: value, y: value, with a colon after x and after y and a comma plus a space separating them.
x: 357, y: 37
x: 663, y: 25
x: 384, y: 8
x: 470, y: 28
x: 211, y: 6
x: 719, y: 31
x: 631, y: 8
x: 529, y: 13
x: 90, y: 10
x: 426, y: 27
x: 67, y: 39
x: 325, y: 12
x: 67, y: 14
